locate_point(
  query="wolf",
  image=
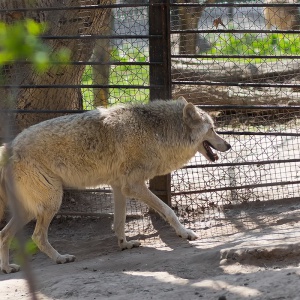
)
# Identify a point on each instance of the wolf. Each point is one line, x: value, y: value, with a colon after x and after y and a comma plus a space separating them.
x: 123, y: 146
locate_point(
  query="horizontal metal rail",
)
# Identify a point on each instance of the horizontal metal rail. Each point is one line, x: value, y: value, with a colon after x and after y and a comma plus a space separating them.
x: 230, y: 83
x: 242, y: 56
x: 228, y: 4
x: 119, y: 86
x: 242, y: 31
x: 260, y: 133
x: 81, y: 7
x: 204, y: 106
x: 244, y: 163
x: 241, y: 187
x: 32, y: 111
x: 93, y: 63
x: 82, y: 86
x: 234, y: 107
x: 98, y: 37
x: 135, y: 5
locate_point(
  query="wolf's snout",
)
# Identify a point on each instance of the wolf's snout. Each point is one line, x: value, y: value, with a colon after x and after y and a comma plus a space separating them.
x: 228, y: 146
x: 222, y: 147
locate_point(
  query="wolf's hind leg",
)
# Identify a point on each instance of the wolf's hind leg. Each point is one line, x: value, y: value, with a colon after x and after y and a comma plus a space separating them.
x: 40, y: 237
x: 119, y: 220
x: 6, y: 235
x: 50, y: 206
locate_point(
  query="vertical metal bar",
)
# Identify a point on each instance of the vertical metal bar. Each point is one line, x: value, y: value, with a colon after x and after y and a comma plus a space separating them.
x: 160, y: 74
x: 159, y: 49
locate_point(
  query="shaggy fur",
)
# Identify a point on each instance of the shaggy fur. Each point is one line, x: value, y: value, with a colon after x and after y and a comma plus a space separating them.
x: 122, y: 146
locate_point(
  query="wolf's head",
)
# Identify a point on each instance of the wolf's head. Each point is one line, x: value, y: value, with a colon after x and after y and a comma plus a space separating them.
x: 203, y: 132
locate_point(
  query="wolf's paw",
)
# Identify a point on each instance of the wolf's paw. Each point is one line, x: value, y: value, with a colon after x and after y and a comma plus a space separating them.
x: 63, y: 259
x: 129, y: 244
x: 12, y: 268
x: 188, y: 234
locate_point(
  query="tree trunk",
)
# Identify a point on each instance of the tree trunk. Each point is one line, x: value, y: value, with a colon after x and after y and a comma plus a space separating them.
x: 60, y: 23
x: 101, y: 71
x: 189, y: 19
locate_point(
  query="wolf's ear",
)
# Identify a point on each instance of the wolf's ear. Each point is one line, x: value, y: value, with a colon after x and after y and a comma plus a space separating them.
x: 191, y: 116
x: 182, y: 99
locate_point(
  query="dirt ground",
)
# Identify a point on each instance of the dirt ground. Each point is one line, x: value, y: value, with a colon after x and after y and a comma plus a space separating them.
x: 262, y: 263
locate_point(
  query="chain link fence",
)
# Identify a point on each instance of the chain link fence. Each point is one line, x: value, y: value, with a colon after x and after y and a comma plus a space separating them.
x: 244, y: 67
x: 238, y: 60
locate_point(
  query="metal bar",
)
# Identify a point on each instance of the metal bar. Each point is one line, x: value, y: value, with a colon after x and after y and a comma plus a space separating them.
x: 214, y: 56
x: 230, y: 4
x: 101, y: 6
x: 82, y: 7
x: 230, y: 188
x: 160, y: 74
x: 207, y: 107
x: 159, y: 51
x: 92, y: 63
x: 233, y: 107
x: 260, y: 133
x: 152, y: 86
x: 235, y: 31
x: 96, y: 36
x: 22, y: 111
x: 241, y: 84
x: 66, y: 86
x: 267, y: 162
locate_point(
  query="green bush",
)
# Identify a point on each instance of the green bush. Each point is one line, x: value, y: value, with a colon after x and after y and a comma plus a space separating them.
x: 252, y: 44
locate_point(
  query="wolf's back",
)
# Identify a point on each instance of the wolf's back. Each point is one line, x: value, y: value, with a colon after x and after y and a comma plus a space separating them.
x: 3, y: 199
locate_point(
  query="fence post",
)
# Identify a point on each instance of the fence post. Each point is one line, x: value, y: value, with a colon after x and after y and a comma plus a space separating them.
x: 160, y: 75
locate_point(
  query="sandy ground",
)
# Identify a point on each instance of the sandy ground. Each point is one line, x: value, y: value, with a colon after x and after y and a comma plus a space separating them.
x: 248, y: 264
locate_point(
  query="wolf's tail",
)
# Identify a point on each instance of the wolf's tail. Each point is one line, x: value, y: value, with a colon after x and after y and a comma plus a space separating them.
x: 3, y: 200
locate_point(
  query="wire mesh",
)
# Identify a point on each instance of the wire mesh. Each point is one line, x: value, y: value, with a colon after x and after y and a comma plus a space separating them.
x: 247, y: 76
x: 125, y: 56
x: 231, y: 59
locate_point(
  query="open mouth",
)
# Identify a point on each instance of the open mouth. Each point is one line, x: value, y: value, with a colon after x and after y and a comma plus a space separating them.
x: 212, y: 156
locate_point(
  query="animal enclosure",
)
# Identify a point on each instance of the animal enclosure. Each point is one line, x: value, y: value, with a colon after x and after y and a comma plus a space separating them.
x: 229, y: 58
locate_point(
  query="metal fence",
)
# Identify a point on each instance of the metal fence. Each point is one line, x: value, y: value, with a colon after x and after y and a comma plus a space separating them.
x: 220, y: 56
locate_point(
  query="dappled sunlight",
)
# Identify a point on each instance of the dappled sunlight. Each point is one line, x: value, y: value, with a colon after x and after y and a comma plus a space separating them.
x: 17, y: 289
x: 219, y: 285
x: 161, y: 276
x: 157, y: 247
x: 213, y: 285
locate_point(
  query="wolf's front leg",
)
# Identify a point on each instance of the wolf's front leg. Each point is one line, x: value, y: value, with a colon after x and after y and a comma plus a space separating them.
x: 40, y: 237
x: 140, y: 191
x: 119, y: 220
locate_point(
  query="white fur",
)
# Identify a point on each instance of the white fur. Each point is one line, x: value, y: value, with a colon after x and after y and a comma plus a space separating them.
x: 122, y: 146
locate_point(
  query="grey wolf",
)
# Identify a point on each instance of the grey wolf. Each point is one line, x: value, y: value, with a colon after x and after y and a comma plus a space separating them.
x: 282, y: 17
x: 122, y: 146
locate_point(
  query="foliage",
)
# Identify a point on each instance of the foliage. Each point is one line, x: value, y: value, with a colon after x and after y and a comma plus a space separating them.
x: 30, y: 248
x: 123, y: 74
x: 252, y: 44
x: 21, y: 41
